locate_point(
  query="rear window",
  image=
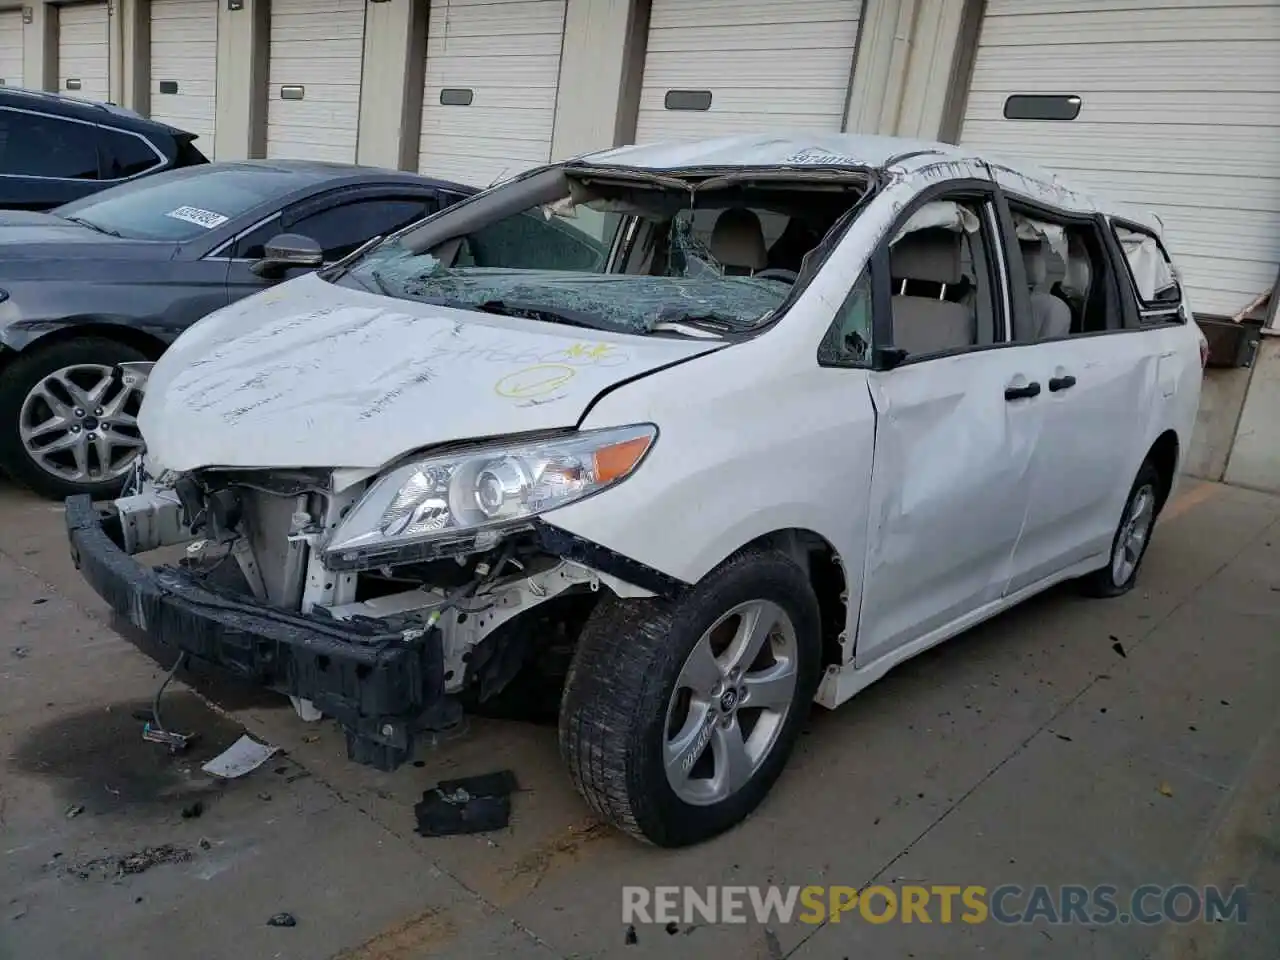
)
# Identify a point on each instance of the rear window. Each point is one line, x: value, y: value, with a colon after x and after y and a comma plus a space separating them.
x: 179, y: 205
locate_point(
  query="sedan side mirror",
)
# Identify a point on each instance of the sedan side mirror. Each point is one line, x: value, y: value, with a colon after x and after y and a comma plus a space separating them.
x: 288, y: 250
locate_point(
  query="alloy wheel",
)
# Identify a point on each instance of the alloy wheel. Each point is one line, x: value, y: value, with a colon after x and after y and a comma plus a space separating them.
x: 730, y: 702
x: 79, y: 424
x: 1134, y: 531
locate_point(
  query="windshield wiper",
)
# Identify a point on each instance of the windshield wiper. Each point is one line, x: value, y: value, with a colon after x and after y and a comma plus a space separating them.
x: 91, y: 226
x: 570, y: 318
x: 534, y: 311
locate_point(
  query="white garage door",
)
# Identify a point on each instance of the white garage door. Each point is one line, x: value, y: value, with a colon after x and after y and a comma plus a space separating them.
x: 1179, y: 111
x: 723, y: 68
x: 493, y: 68
x: 317, y: 48
x: 184, y: 62
x: 11, y: 48
x: 83, y: 51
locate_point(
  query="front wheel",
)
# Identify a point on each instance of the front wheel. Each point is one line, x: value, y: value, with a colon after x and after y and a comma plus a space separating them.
x: 1131, y: 539
x: 678, y: 717
x: 67, y: 419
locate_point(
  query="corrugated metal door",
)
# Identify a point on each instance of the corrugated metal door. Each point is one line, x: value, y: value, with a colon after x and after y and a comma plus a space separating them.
x: 11, y: 48
x: 1179, y: 112
x: 317, y: 50
x: 723, y: 68
x: 493, y: 69
x: 84, y: 53
x: 184, y: 66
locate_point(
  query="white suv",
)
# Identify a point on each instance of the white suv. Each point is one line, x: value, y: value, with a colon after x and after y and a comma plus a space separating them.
x: 734, y: 425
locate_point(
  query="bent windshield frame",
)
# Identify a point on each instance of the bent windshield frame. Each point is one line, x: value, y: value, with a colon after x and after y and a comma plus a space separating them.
x: 643, y: 252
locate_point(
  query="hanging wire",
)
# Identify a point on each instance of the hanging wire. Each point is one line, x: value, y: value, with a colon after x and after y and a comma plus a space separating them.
x: 155, y: 704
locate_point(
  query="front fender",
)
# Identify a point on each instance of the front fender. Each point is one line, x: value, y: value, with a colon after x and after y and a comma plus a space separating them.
x: 742, y: 451
x: 22, y: 334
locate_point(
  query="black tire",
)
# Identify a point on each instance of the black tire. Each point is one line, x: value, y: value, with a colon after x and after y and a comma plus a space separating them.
x: 16, y: 382
x: 1103, y: 583
x: 613, y: 716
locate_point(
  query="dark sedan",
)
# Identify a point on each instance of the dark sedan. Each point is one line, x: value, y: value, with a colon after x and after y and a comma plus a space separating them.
x: 115, y: 277
x: 55, y: 148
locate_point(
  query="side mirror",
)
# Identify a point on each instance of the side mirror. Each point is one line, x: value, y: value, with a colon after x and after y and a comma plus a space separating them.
x: 288, y: 250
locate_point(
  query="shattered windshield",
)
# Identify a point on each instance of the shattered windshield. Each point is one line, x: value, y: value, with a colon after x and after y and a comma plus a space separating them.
x: 633, y: 259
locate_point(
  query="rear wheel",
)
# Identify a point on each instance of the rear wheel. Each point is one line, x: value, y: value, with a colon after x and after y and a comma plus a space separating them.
x: 1132, y: 537
x: 68, y: 421
x: 678, y: 717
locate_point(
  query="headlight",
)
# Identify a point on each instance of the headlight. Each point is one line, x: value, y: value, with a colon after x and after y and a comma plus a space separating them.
x: 479, y: 494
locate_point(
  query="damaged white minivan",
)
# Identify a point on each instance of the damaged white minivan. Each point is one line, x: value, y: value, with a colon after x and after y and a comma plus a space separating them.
x: 725, y: 427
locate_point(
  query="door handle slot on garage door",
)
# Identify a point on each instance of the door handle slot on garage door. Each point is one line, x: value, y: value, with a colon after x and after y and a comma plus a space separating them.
x: 1061, y: 383
x: 1022, y: 393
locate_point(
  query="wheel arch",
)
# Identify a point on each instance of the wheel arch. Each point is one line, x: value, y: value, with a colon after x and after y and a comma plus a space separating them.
x: 1164, y: 456
x: 825, y: 568
x: 146, y: 343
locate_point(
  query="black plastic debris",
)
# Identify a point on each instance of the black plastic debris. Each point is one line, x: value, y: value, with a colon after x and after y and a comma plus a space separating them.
x: 468, y: 805
x: 283, y: 920
x: 193, y: 810
x: 631, y: 939
x: 1118, y: 647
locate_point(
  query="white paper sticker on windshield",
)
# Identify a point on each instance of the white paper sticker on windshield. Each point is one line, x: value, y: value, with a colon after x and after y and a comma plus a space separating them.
x: 201, y: 218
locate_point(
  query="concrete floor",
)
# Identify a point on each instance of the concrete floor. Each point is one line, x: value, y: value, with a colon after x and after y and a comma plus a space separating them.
x: 1028, y: 751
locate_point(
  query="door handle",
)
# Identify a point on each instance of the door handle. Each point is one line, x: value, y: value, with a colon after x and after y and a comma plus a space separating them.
x: 1022, y: 393
x: 1061, y: 383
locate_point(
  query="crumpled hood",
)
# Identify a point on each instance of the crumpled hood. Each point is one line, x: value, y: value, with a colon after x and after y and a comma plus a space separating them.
x: 311, y: 374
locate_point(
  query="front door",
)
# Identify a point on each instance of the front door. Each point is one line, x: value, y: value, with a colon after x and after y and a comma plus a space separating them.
x: 957, y: 426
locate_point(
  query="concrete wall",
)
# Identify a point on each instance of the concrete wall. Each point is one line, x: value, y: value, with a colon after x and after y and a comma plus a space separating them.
x: 1254, y: 459
x: 1221, y: 401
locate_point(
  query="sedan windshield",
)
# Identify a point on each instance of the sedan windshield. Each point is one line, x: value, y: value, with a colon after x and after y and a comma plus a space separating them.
x: 178, y: 205
x: 638, y: 260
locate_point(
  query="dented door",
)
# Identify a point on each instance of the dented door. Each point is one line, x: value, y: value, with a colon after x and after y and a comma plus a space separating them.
x: 1102, y: 393
x: 955, y: 441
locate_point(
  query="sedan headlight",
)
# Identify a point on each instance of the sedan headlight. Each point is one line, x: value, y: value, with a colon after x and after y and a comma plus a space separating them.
x: 477, y: 495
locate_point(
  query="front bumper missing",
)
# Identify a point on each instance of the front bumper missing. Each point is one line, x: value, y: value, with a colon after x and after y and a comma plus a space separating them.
x: 381, y: 684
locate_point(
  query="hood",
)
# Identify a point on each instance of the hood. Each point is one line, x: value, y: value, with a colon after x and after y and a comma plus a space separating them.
x: 44, y: 236
x: 310, y: 374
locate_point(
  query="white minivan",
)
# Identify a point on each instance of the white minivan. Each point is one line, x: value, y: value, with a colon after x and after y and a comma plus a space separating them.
x: 725, y: 427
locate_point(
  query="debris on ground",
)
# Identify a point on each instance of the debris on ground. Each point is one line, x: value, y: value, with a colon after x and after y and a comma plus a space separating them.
x: 1118, y: 647
x: 1166, y: 790
x: 193, y: 810
x: 74, y: 810
x: 243, y: 756
x: 205, y: 843
x: 631, y: 939
x: 21, y: 652
x: 140, y: 861
x: 283, y: 920
x: 264, y: 795
x: 467, y: 805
